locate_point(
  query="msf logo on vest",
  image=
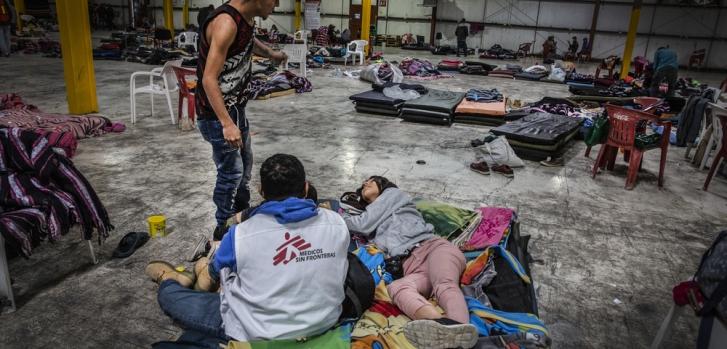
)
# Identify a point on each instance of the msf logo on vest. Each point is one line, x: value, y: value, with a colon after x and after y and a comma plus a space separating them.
x: 296, y: 249
x: 291, y: 248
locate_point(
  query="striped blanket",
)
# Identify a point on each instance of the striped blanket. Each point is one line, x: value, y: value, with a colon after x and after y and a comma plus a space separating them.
x: 42, y: 194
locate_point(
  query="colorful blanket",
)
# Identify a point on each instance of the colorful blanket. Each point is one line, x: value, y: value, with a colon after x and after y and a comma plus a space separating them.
x: 42, y: 194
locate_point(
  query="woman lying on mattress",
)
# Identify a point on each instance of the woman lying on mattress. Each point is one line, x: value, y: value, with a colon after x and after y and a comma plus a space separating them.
x: 432, y: 266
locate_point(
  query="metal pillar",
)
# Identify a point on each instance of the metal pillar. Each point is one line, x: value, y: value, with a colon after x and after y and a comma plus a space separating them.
x: 594, y: 24
x: 77, y: 57
x: 366, y: 22
x: 296, y: 22
x: 651, y: 31
x: 714, y: 34
x: 630, y: 39
x: 484, y: 20
x: 433, y: 26
x: 185, y: 14
x: 169, y: 16
x: 19, y: 9
x: 537, y: 22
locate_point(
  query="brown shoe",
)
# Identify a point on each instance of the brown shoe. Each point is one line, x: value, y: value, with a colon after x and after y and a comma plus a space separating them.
x: 160, y: 271
x: 503, y: 170
x: 480, y: 167
x: 204, y: 280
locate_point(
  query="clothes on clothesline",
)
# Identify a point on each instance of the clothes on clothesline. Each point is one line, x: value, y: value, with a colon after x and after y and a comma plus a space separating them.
x: 484, y: 95
x: 44, y: 193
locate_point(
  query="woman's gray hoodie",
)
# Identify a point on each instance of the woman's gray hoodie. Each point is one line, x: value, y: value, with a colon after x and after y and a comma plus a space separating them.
x: 393, y: 221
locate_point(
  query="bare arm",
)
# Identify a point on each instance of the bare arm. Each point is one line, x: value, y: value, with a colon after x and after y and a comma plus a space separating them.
x: 222, y: 31
x: 260, y: 49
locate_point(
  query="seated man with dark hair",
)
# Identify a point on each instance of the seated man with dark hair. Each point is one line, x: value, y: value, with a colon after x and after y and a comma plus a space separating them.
x: 281, y: 272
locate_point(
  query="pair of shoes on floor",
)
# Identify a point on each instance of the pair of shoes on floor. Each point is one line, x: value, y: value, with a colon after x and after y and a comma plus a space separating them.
x: 482, y: 168
x: 199, y: 280
x: 550, y: 162
x: 440, y: 334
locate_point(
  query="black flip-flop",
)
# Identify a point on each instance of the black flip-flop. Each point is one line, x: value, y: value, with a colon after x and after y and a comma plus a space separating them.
x: 130, y: 243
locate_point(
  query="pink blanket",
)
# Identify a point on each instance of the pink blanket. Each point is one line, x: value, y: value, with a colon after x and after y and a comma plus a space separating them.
x: 495, y: 220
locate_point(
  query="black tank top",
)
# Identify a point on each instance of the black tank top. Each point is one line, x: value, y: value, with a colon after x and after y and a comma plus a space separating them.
x: 237, y: 69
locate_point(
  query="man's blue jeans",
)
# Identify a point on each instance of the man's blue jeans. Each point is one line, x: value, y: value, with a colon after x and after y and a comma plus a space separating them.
x: 193, y: 310
x: 234, y: 165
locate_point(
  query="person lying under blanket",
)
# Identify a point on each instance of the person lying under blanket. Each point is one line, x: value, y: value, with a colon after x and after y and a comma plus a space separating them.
x: 277, y: 254
x: 432, y: 266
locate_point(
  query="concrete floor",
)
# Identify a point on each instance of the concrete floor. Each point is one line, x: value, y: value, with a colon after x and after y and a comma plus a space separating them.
x: 606, y: 258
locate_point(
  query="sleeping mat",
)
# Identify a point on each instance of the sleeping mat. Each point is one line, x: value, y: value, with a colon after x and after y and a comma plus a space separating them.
x: 436, y: 107
x: 539, y: 135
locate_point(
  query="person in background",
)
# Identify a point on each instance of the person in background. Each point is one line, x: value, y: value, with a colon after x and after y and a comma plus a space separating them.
x: 203, y: 13
x: 8, y: 18
x: 332, y: 40
x: 666, y: 69
x: 573, y: 47
x: 345, y: 37
x: 462, y: 32
x: 548, y: 48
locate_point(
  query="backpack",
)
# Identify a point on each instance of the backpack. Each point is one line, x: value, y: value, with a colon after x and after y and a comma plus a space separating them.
x: 5, y: 15
x: 359, y: 289
x: 711, y: 277
x: 512, y: 289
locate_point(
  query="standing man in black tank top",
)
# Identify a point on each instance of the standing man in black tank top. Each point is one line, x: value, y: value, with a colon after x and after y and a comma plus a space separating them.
x: 224, y: 69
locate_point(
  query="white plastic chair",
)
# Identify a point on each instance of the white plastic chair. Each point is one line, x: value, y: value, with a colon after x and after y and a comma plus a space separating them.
x: 187, y: 39
x: 715, y: 139
x: 355, y: 48
x: 165, y: 85
x: 297, y: 52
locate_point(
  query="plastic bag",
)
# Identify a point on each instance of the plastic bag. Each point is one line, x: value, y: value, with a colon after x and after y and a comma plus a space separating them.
x: 396, y: 92
x: 499, y: 152
x: 371, y: 74
x: 598, y: 132
x: 557, y: 74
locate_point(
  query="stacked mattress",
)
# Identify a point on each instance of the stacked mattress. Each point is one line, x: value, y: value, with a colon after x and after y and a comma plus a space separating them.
x: 530, y: 76
x: 450, y: 64
x: 540, y: 135
x: 375, y: 102
x: 435, y: 107
x: 508, y: 71
x: 481, y: 107
x: 488, y: 114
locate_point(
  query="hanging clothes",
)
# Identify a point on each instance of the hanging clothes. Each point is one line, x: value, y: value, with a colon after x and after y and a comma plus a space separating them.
x: 42, y: 194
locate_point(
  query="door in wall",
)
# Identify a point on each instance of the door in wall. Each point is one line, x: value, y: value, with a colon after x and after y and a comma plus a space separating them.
x: 354, y: 18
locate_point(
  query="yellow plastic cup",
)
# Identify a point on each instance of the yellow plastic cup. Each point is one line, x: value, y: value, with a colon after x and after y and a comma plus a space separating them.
x: 157, y: 226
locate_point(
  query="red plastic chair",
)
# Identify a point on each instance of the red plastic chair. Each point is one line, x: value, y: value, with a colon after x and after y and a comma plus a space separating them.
x: 647, y: 105
x: 722, y: 154
x: 186, y: 91
x: 623, y: 124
